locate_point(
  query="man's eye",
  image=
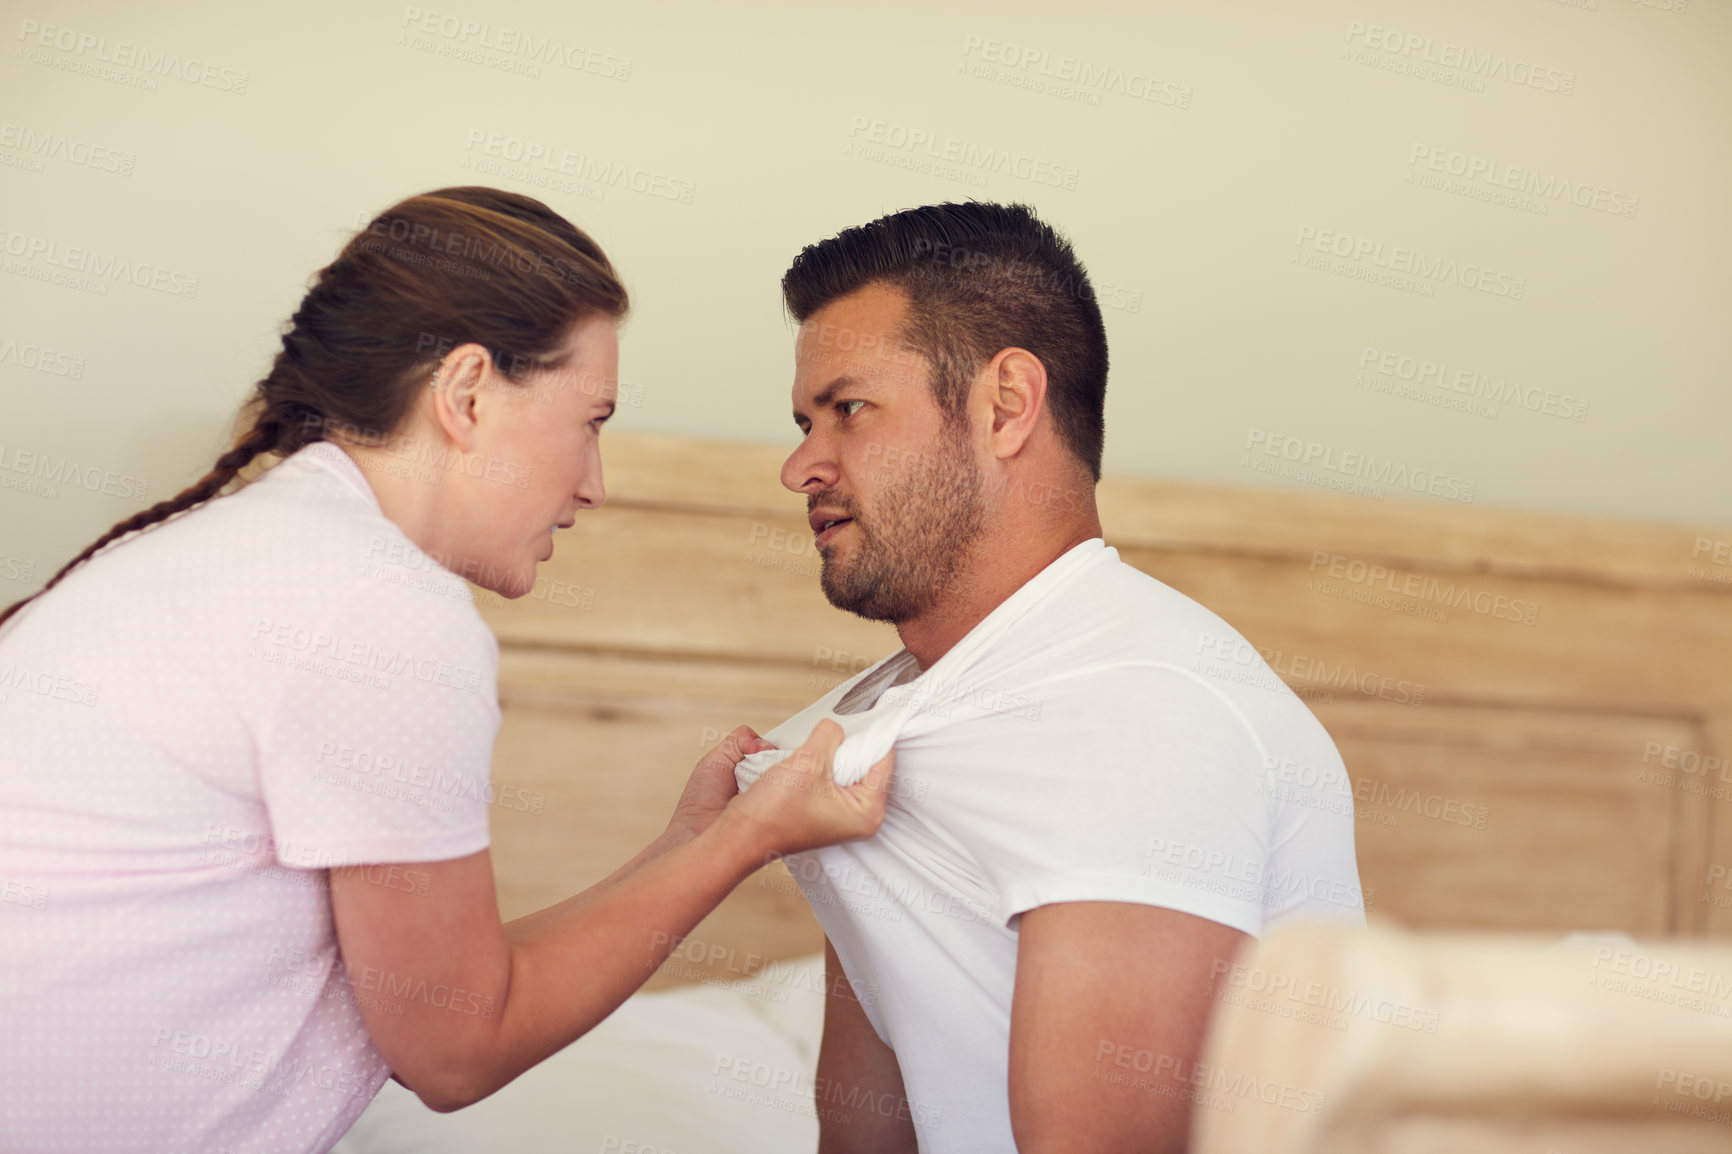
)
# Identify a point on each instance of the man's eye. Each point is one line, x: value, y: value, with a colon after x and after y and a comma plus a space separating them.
x: 843, y: 405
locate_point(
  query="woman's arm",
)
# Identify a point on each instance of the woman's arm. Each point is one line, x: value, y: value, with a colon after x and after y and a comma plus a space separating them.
x: 458, y: 1004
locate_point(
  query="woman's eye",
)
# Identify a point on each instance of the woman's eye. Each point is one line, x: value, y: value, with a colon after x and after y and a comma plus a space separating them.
x: 843, y: 405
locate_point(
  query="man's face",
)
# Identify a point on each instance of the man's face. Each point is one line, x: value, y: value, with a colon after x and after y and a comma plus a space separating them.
x: 893, y: 490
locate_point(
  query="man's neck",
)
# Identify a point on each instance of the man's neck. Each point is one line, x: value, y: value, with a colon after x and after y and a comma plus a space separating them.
x: 993, y: 571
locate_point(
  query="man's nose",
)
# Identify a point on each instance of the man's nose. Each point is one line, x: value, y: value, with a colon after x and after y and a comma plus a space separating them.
x: 809, y: 468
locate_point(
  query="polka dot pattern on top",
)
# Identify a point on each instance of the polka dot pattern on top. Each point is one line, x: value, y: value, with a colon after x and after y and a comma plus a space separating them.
x: 194, y: 725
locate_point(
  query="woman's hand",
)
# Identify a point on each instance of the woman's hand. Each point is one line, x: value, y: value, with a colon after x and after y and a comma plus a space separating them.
x: 525, y: 991
x: 712, y: 786
x: 796, y: 805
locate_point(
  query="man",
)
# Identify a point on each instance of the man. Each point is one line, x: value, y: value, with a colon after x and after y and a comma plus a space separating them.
x: 1102, y: 790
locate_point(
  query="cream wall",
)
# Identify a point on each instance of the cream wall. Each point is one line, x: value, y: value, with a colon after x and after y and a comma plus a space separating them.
x: 1197, y: 154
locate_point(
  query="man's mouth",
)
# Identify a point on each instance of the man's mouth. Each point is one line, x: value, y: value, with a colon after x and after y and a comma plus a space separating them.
x: 828, y: 528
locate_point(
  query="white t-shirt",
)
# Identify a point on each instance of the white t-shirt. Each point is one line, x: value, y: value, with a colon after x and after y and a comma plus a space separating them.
x: 1097, y: 737
x: 193, y: 725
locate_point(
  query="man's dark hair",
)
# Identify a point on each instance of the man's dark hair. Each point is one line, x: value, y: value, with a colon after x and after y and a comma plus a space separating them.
x: 979, y: 277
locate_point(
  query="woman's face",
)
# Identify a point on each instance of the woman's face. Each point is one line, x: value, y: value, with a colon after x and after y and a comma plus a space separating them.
x: 537, y: 460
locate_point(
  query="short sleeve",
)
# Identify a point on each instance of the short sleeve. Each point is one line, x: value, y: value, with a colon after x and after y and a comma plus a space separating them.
x: 1134, y: 784
x: 379, y: 745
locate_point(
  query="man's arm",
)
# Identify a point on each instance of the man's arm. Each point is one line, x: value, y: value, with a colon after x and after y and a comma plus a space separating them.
x: 854, y: 1061
x: 1112, y: 1003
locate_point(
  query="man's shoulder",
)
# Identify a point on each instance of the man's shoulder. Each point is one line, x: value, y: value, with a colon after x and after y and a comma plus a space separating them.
x: 1114, y: 613
x: 1117, y: 635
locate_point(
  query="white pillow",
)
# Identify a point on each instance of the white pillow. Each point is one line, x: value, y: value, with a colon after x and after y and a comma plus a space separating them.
x: 701, y: 1069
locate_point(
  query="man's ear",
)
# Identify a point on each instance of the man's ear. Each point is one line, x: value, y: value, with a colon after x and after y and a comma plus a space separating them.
x: 456, y: 391
x: 1016, y: 387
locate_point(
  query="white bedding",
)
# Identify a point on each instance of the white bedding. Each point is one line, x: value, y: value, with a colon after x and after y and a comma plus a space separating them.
x: 706, y: 1069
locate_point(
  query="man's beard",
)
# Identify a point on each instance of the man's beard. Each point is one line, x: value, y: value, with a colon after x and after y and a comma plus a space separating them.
x: 914, y: 546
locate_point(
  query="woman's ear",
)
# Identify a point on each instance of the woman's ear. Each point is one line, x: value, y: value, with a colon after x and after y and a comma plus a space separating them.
x: 456, y: 393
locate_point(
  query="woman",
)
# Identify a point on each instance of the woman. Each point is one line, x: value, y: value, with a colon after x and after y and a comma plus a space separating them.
x: 243, y: 754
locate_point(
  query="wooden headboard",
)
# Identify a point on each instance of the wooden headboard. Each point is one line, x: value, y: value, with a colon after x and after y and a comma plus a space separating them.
x: 1536, y: 710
